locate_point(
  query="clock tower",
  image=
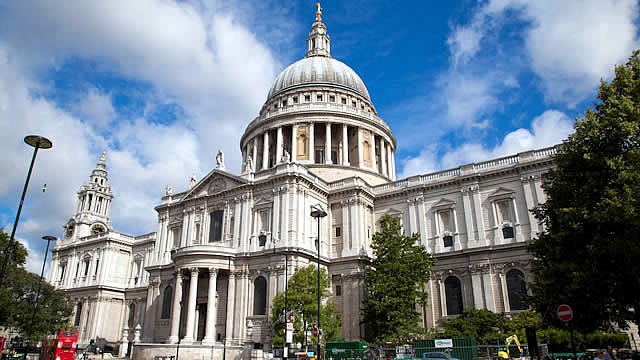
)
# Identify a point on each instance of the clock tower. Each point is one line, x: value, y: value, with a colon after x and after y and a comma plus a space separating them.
x: 93, y: 207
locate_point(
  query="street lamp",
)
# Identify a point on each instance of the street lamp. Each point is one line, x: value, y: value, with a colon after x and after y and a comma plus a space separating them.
x: 318, y: 213
x: 38, y: 142
x: 48, y: 238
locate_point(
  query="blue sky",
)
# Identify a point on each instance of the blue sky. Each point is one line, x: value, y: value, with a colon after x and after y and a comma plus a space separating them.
x: 162, y: 85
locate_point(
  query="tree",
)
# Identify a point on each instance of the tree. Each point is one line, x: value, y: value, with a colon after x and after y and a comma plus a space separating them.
x: 17, y: 298
x: 482, y: 324
x: 302, y: 303
x: 395, y: 283
x: 587, y: 255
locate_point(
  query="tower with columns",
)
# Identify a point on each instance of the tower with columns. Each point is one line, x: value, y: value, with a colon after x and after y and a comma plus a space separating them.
x: 205, y: 280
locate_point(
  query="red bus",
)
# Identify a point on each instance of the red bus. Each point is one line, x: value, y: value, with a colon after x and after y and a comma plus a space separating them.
x: 62, y: 347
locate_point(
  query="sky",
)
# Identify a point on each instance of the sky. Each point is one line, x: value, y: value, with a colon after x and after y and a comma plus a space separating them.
x: 161, y: 85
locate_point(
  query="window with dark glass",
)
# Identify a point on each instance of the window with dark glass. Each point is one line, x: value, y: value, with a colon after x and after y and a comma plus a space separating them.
x: 215, y: 226
x: 338, y: 290
x: 319, y: 157
x: 76, y: 321
x: 447, y: 240
x: 332, y: 98
x: 338, y: 231
x: 319, y: 97
x: 516, y: 289
x: 453, y: 295
x: 166, y: 303
x: 307, y: 98
x: 260, y: 296
x: 507, y: 232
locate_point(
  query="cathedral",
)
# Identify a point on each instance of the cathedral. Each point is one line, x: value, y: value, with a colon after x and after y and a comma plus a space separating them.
x: 202, y: 283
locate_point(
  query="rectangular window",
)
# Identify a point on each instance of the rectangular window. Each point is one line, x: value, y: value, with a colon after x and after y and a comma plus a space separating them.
x: 215, y: 226
x: 338, y: 290
x: 86, y: 267
x: 63, y: 267
x: 77, y: 270
x: 97, y: 266
x: 332, y: 98
x: 319, y: 156
x: 197, y: 239
x: 176, y: 233
x: 295, y: 99
x: 344, y: 101
x: 319, y: 97
x: 445, y: 218
x: 504, y: 211
x: 334, y: 156
x: 338, y: 231
x: 307, y: 98
x: 353, y: 103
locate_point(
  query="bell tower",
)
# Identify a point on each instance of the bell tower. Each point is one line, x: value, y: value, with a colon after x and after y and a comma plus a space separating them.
x: 93, y: 206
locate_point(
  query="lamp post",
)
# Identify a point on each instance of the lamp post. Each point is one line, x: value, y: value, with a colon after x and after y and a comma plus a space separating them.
x: 318, y: 213
x: 48, y: 238
x: 38, y: 142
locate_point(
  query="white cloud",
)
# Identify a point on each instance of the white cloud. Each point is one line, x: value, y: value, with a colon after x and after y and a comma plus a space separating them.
x: 96, y: 108
x: 570, y: 44
x: 548, y: 129
x: 573, y: 44
x: 202, y: 59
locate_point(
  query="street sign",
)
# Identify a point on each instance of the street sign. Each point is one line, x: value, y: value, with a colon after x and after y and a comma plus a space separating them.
x: 289, y: 325
x: 564, y: 312
x: 444, y: 343
x: 315, y: 331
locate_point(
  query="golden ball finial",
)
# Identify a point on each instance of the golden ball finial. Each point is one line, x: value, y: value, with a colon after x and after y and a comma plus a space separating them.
x: 103, y: 156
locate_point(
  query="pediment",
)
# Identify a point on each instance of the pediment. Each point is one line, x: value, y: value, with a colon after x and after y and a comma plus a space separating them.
x: 393, y: 212
x: 214, y: 182
x: 501, y: 192
x: 263, y: 202
x: 444, y: 203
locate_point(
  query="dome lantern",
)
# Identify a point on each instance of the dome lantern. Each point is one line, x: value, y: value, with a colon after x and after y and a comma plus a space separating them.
x: 318, y: 41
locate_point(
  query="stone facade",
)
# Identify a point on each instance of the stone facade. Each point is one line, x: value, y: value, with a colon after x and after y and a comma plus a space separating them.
x: 206, y: 277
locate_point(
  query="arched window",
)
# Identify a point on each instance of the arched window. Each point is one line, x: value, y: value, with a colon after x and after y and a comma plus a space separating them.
x: 516, y: 289
x: 132, y: 316
x: 260, y: 296
x: 76, y: 322
x: 453, y: 295
x: 166, y: 303
x: 301, y: 147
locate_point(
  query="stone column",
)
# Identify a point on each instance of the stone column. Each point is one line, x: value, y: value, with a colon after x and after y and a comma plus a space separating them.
x: 265, y: 153
x: 443, y: 298
x: 345, y: 145
x: 278, y: 145
x: 392, y: 160
x: 383, y: 155
x: 147, y: 330
x: 191, y: 307
x: 359, y: 145
x: 374, y: 163
x: 176, y: 309
x: 254, y: 153
x: 231, y: 290
x: 312, y: 143
x: 294, y: 141
x: 504, y: 291
x: 210, y: 326
x: 327, y: 143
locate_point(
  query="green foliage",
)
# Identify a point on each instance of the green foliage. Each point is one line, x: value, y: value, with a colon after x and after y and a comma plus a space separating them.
x: 483, y: 325
x: 587, y: 255
x: 396, y: 284
x: 491, y: 329
x: 303, y: 306
x: 17, y: 299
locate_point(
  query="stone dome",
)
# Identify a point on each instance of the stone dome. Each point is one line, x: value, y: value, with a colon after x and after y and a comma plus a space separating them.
x: 318, y: 70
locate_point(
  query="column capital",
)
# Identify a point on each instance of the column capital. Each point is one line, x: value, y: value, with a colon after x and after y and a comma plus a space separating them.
x: 232, y: 274
x: 213, y: 272
x: 194, y: 271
